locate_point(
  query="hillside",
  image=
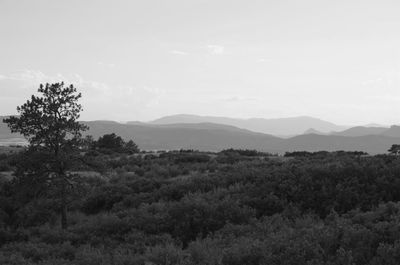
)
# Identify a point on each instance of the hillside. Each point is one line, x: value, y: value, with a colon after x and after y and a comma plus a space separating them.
x: 393, y: 131
x: 372, y: 144
x: 313, y: 131
x: 210, y: 137
x: 279, y: 127
x: 216, y: 137
x: 362, y: 131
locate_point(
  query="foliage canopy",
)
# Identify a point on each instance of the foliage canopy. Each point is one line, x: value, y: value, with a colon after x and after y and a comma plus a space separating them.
x: 49, y: 122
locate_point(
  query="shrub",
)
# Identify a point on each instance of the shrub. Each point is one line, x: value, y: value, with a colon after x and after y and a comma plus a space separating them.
x: 166, y: 255
x: 103, y: 198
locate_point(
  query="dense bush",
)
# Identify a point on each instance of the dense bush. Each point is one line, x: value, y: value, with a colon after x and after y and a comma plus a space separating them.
x: 188, y: 207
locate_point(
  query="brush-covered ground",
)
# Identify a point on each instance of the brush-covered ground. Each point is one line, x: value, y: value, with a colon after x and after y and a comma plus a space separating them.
x: 234, y: 207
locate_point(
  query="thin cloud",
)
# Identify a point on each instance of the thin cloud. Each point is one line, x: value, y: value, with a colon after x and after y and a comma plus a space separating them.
x: 177, y: 52
x: 107, y: 65
x: 28, y: 78
x: 239, y: 99
x: 372, y: 81
x: 31, y: 79
x: 98, y: 97
x: 216, y: 49
x: 264, y: 60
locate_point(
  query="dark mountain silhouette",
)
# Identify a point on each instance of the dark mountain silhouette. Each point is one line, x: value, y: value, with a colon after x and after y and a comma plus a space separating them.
x: 279, y: 127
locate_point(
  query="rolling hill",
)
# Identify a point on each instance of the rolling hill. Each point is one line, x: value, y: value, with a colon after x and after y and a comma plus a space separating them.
x: 361, y: 131
x: 372, y: 144
x: 205, y: 136
x: 282, y: 127
x: 393, y: 131
x: 313, y: 131
x: 216, y: 137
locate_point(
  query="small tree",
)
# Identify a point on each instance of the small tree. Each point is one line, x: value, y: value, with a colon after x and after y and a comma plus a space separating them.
x: 49, y: 122
x: 110, y: 141
x: 395, y: 149
x: 131, y: 147
x: 114, y: 143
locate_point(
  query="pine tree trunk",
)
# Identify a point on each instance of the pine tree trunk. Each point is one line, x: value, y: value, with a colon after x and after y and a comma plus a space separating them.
x: 64, y: 221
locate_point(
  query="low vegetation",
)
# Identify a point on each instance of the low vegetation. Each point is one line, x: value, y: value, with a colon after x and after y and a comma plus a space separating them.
x: 189, y: 207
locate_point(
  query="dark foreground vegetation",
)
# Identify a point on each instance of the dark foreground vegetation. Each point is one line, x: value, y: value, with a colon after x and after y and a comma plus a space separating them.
x: 188, y: 207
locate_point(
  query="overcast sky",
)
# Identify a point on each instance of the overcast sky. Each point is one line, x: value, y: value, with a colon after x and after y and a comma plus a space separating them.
x: 139, y: 60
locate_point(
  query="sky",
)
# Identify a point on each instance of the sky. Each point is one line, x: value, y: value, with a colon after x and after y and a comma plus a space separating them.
x: 140, y: 60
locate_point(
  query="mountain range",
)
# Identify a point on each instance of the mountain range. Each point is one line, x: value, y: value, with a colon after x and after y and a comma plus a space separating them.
x: 186, y: 133
x: 282, y: 127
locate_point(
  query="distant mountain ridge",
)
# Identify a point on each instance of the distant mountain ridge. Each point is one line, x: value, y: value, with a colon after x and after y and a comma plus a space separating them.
x: 208, y: 136
x: 392, y: 131
x: 313, y: 131
x: 279, y: 127
x: 203, y: 136
x: 372, y: 144
x: 216, y: 137
x: 362, y: 131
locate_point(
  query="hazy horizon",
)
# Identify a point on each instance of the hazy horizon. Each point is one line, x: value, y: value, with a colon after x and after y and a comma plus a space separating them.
x: 371, y: 124
x: 338, y: 61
